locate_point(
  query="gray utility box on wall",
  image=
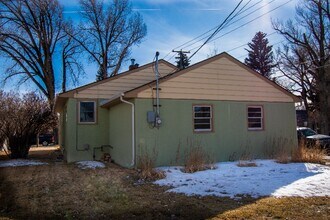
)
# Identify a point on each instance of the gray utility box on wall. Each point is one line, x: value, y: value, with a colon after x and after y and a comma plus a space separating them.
x: 151, y: 117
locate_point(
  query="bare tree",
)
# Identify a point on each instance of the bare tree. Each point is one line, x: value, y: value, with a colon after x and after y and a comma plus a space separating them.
x: 32, y: 37
x: 21, y: 118
x: 311, y: 33
x: 298, y: 77
x: 71, y: 51
x: 108, y: 32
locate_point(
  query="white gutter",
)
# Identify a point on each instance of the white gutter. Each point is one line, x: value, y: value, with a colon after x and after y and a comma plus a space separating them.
x: 133, y: 129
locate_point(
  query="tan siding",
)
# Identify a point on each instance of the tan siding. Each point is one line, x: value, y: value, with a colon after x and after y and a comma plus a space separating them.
x: 219, y: 80
x: 116, y: 86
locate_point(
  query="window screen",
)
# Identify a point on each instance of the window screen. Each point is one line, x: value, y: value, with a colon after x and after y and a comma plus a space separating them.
x: 255, y: 118
x: 202, y: 118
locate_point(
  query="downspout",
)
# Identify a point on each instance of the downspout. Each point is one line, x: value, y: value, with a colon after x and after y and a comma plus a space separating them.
x: 133, y: 129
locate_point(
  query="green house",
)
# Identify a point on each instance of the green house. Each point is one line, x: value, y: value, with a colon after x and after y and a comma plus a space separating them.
x: 218, y: 104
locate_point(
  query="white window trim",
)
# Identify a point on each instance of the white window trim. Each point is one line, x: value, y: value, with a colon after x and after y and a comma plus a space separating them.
x: 262, y: 117
x: 95, y: 115
x: 211, y: 118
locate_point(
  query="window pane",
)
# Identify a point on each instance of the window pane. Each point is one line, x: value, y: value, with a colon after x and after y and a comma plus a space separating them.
x: 202, y: 114
x: 255, y: 125
x: 202, y: 127
x: 255, y: 117
x: 202, y: 121
x: 202, y: 118
x: 254, y: 114
x: 254, y: 109
x: 205, y: 108
x: 87, y: 113
x: 87, y: 106
x: 202, y: 108
x: 254, y: 120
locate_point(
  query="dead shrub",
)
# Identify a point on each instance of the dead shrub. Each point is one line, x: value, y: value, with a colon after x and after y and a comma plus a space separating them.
x: 282, y: 156
x: 310, y: 154
x: 197, y: 160
x: 244, y: 163
x: 246, y: 160
x: 147, y: 169
x: 278, y: 148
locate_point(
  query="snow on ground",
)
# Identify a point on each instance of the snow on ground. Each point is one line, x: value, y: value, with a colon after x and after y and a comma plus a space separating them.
x: 267, y: 179
x: 20, y: 162
x: 90, y: 164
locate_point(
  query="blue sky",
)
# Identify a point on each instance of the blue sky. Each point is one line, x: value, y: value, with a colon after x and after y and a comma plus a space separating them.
x: 171, y: 23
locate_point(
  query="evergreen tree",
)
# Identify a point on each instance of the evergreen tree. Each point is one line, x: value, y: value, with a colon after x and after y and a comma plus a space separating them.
x: 182, y: 61
x: 99, y: 75
x: 260, y: 57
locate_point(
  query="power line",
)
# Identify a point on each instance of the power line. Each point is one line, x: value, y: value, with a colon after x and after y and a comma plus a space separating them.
x: 217, y: 30
x: 235, y: 48
x: 248, y: 22
x: 248, y: 54
x: 238, y: 13
x: 227, y: 25
x: 241, y: 11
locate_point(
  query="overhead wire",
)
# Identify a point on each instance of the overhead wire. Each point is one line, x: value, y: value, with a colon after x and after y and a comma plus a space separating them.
x: 217, y: 30
x: 196, y: 39
x: 228, y: 24
x: 235, y: 29
x: 201, y: 35
x: 235, y: 48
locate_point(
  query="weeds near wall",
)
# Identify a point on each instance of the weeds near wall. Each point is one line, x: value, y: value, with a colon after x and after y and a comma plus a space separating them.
x: 282, y: 156
x: 278, y: 148
x: 246, y: 163
x: 196, y: 159
x: 310, y: 154
x: 246, y: 159
x: 146, y: 167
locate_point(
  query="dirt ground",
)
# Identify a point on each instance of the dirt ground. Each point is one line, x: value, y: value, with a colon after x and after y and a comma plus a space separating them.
x: 64, y: 191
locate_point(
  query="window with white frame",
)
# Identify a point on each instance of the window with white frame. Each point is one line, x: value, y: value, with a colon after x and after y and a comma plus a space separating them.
x: 87, y: 112
x: 255, y: 118
x: 202, y: 117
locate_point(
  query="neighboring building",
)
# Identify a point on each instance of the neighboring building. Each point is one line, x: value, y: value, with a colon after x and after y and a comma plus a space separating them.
x: 219, y: 104
x: 302, y: 118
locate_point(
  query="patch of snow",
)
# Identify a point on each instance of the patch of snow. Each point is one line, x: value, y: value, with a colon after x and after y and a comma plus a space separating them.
x: 90, y: 164
x: 20, y: 162
x: 267, y: 179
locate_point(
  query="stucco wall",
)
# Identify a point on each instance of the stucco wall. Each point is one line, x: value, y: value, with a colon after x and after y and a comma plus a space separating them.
x: 168, y: 144
x: 120, y: 134
x: 230, y: 138
x: 78, y: 135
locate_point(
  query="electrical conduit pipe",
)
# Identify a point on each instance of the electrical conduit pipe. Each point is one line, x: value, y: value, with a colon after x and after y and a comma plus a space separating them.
x: 133, y: 129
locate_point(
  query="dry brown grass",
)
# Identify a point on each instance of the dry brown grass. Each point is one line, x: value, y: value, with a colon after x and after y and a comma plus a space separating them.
x: 310, y: 154
x: 147, y: 169
x: 246, y: 160
x: 282, y: 156
x: 245, y: 163
x: 197, y: 160
x: 63, y: 191
x: 281, y: 208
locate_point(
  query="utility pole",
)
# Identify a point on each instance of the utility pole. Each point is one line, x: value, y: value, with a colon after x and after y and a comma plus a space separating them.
x: 183, y: 60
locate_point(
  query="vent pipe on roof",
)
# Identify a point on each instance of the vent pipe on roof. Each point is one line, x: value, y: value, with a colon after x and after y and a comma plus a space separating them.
x: 133, y: 65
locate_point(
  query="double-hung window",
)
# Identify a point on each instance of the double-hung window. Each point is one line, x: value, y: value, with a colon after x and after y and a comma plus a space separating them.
x: 202, y: 115
x: 255, y: 117
x: 87, y: 112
